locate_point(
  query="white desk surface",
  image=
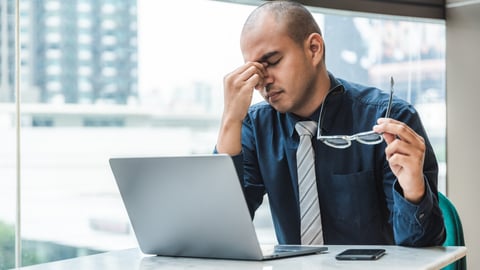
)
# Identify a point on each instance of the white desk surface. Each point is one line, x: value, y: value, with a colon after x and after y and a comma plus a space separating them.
x: 396, y: 257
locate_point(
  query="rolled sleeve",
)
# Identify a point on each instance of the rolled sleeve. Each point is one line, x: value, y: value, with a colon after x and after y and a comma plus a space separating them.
x: 411, y: 221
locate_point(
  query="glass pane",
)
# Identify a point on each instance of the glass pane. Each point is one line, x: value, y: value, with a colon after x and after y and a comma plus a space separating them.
x: 106, y: 78
x: 8, y: 135
x: 79, y: 107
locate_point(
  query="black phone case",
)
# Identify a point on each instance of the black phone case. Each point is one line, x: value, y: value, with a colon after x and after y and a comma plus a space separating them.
x: 360, y: 254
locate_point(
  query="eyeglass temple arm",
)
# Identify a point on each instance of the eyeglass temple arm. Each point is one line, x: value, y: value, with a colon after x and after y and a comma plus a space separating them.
x: 392, y: 82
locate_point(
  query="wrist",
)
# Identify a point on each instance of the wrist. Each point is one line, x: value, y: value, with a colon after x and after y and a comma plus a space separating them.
x: 229, y: 137
x: 415, y: 194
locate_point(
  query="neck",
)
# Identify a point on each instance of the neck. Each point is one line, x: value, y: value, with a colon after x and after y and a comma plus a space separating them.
x: 320, y: 89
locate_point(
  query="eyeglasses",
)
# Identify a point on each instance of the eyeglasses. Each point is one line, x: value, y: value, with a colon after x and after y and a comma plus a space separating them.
x: 344, y: 141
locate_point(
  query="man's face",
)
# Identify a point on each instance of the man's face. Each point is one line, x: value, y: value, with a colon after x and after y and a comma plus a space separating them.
x: 290, y: 71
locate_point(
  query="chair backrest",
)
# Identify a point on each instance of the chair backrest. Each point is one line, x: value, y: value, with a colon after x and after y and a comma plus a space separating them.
x: 454, y: 228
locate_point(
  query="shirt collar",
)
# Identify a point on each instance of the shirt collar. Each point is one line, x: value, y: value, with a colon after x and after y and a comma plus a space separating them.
x: 336, y: 87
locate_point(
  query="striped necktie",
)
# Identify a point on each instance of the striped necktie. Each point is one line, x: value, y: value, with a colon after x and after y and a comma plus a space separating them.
x: 310, y: 219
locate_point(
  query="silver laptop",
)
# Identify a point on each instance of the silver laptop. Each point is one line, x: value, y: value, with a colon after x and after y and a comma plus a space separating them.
x: 192, y: 206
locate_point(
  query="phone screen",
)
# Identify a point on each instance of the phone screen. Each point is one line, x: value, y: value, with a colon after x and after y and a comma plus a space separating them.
x: 361, y: 254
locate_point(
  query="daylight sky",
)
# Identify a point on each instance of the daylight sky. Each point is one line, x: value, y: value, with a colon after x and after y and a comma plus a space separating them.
x: 187, y: 40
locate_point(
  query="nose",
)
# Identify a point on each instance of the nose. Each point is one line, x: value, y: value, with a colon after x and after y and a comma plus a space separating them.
x: 266, y: 82
x: 268, y: 79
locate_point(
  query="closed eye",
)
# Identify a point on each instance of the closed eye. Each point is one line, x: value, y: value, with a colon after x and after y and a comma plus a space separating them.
x: 270, y: 59
x: 273, y: 63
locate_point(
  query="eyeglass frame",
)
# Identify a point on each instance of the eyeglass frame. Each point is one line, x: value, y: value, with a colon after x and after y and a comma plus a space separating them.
x: 355, y: 137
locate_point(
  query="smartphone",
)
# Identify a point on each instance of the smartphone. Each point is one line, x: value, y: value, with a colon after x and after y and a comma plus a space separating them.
x: 361, y: 254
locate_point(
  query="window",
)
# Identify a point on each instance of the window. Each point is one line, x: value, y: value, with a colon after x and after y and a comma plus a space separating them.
x: 8, y: 137
x: 153, y: 85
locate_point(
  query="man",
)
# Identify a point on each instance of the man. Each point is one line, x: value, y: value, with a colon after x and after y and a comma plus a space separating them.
x: 368, y: 193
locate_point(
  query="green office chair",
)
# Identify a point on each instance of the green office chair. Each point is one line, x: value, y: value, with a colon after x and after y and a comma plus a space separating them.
x: 453, y: 225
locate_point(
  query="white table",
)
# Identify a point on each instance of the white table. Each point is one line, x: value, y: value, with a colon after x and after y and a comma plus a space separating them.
x: 396, y: 258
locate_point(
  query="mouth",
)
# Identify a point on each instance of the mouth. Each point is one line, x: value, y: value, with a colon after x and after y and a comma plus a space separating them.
x: 273, y: 95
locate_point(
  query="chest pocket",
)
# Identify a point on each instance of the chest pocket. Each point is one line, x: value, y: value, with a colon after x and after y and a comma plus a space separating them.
x: 354, y: 198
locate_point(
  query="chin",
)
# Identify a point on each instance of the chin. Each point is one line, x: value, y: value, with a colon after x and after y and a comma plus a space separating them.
x: 278, y: 108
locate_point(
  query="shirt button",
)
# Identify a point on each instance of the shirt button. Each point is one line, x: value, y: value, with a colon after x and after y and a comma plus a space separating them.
x: 421, y: 215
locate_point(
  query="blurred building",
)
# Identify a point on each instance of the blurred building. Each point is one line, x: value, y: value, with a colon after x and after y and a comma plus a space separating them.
x: 82, y: 51
x: 7, y: 46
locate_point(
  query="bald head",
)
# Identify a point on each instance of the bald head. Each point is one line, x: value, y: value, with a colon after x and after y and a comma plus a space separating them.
x: 295, y: 18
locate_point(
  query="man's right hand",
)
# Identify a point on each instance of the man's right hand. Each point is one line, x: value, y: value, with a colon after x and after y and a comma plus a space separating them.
x: 238, y: 93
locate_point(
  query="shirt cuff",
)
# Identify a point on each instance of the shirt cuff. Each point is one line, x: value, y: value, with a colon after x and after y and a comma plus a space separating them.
x: 409, y: 212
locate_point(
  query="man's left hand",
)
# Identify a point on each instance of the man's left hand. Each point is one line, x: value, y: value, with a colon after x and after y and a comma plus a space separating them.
x: 405, y: 153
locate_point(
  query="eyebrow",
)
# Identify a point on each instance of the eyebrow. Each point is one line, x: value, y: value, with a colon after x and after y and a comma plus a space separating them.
x: 266, y: 56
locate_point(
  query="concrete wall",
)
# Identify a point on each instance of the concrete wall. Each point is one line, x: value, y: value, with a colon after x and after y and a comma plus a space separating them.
x: 463, y: 119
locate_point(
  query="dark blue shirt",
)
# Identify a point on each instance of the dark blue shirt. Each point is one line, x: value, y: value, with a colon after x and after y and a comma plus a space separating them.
x: 360, y: 199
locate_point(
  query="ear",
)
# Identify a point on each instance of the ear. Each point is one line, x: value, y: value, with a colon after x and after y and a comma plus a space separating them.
x: 315, y: 48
